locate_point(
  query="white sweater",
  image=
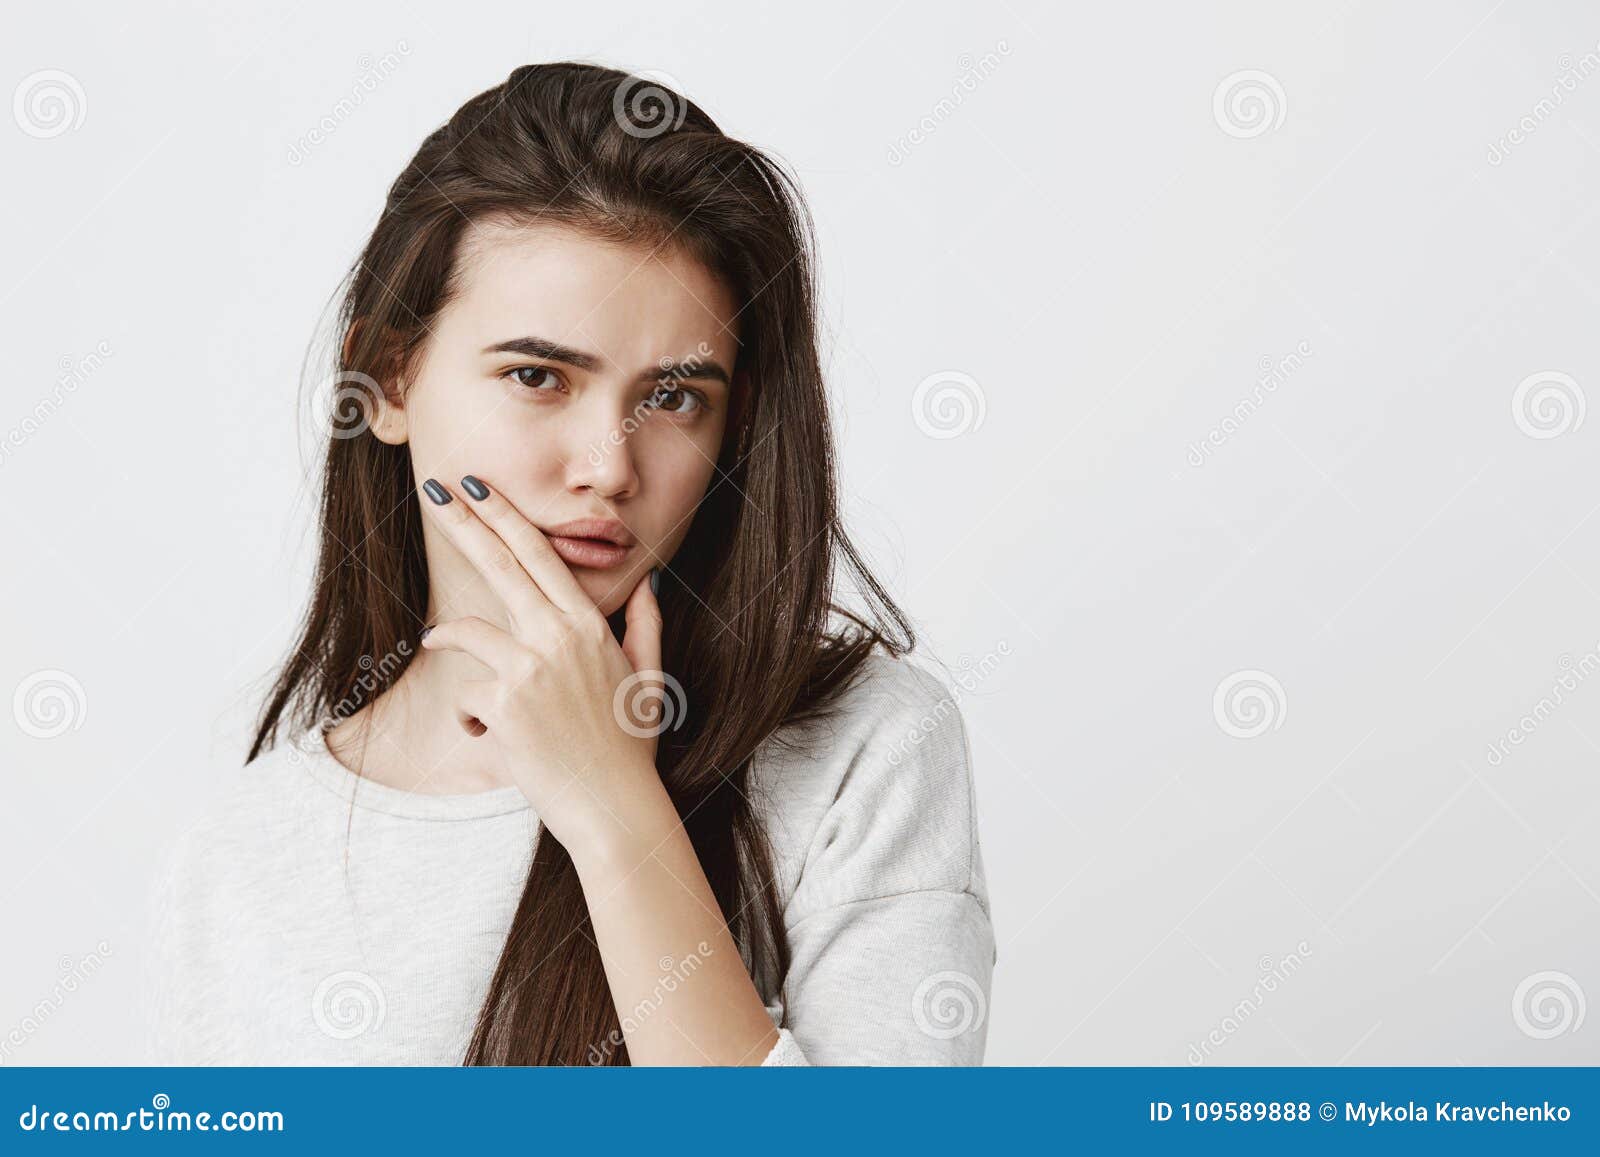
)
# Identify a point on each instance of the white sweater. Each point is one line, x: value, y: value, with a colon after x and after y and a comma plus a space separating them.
x: 270, y: 947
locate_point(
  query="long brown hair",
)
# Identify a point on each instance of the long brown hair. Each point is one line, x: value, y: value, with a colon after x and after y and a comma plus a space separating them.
x: 750, y: 628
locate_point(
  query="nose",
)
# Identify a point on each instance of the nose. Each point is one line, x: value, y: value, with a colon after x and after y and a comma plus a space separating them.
x: 600, y: 451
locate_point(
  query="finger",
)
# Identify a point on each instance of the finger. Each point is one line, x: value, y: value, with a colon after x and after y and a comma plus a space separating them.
x: 481, y: 639
x: 641, y: 639
x: 530, y: 546
x: 474, y: 703
x: 487, y: 551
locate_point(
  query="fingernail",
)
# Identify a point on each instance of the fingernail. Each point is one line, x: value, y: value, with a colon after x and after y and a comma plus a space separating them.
x: 475, y: 488
x: 436, y: 492
x: 655, y: 580
x: 424, y: 634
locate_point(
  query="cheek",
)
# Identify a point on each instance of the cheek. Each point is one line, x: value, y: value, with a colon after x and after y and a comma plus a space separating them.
x: 470, y: 436
x: 678, y: 486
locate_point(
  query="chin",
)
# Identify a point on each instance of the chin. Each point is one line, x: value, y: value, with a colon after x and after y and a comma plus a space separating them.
x: 608, y: 588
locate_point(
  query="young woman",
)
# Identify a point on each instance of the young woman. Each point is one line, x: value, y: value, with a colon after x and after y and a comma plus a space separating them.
x: 575, y: 761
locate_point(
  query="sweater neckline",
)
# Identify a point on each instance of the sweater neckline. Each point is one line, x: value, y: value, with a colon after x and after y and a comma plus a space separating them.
x: 369, y: 795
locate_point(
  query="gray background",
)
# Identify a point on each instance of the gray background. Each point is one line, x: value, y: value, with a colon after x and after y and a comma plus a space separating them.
x: 1055, y: 204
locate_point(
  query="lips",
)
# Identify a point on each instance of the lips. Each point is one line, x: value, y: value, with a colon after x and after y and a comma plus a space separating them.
x: 589, y: 552
x: 604, y: 530
x: 597, y: 543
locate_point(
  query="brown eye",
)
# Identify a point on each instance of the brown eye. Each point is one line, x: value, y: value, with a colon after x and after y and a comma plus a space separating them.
x: 675, y: 401
x: 536, y: 373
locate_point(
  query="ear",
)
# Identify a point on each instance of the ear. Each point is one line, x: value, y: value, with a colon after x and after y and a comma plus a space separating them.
x: 389, y: 415
x: 387, y: 403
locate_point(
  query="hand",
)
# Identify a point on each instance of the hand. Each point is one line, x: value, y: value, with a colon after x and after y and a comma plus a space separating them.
x: 562, y: 704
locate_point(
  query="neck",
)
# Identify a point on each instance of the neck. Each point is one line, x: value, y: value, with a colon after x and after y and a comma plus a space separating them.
x: 413, y: 733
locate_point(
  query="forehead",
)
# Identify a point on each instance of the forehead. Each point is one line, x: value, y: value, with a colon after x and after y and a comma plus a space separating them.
x: 630, y: 303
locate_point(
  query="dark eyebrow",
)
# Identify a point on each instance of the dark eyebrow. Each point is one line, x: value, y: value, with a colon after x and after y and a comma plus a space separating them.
x: 538, y: 347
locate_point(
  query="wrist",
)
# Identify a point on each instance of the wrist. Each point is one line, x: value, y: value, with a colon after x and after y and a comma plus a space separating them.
x: 621, y: 840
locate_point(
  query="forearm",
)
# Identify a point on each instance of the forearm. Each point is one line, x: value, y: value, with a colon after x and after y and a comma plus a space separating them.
x: 682, y: 992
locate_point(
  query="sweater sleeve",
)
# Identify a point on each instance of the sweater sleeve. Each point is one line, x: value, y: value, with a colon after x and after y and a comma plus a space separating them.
x: 159, y: 979
x: 891, y: 942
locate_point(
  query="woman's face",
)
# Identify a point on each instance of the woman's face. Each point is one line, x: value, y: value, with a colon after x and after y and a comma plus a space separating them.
x: 581, y: 379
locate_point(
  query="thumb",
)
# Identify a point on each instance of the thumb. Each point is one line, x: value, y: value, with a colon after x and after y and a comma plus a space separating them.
x: 641, y: 639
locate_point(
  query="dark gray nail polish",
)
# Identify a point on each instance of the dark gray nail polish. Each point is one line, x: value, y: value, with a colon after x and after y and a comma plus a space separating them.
x: 436, y: 492
x: 424, y: 634
x: 475, y: 488
x: 655, y: 580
